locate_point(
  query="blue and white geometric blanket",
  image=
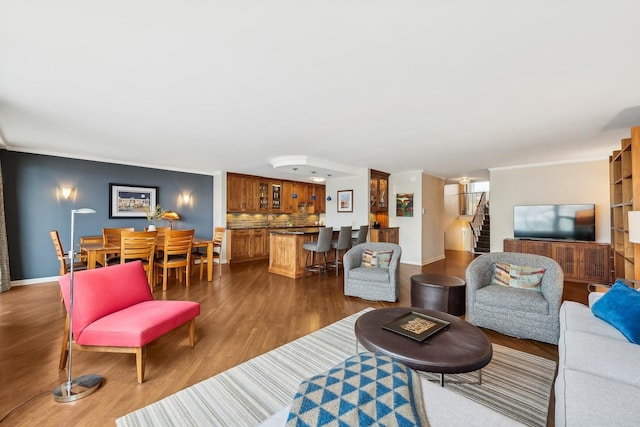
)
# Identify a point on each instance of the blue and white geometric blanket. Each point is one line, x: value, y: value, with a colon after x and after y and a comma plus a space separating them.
x: 366, y: 389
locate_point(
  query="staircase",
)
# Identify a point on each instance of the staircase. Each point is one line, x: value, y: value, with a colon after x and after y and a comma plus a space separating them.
x: 483, y: 244
x: 481, y: 226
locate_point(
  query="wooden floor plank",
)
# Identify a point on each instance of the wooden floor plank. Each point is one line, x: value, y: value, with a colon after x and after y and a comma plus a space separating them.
x: 245, y: 313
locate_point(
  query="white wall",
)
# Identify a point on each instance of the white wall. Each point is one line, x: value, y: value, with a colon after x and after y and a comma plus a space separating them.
x: 410, y: 227
x: 457, y: 231
x: 580, y: 182
x: 421, y: 236
x: 360, y: 186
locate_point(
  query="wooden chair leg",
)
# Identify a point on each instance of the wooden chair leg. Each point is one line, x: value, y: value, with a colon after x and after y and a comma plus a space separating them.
x: 164, y: 278
x: 201, y: 268
x: 192, y: 332
x: 141, y: 353
x: 64, y: 351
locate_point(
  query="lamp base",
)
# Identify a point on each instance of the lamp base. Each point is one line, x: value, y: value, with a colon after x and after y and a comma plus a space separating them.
x: 80, y: 387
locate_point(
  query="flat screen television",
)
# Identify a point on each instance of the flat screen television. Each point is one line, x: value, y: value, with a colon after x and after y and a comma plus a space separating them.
x: 557, y: 222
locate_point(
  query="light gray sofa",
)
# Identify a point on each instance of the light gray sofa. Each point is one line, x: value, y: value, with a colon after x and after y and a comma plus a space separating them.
x: 598, y: 379
x: 521, y: 313
x: 372, y: 283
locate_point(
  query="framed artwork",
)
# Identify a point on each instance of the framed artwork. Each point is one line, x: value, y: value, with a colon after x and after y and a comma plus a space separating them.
x: 345, y: 200
x: 404, y: 204
x: 128, y: 201
x: 416, y: 325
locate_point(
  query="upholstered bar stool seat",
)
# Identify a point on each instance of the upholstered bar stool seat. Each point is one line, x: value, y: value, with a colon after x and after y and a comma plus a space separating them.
x: 342, y: 243
x: 320, y: 246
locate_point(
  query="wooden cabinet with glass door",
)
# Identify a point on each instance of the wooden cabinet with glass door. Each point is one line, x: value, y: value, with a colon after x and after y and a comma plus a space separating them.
x: 378, y: 192
x: 269, y: 195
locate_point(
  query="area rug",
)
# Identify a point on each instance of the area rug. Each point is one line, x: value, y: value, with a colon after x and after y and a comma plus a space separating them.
x: 515, y: 383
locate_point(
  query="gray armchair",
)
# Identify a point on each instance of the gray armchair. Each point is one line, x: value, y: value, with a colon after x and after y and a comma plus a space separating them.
x: 372, y: 283
x: 521, y: 313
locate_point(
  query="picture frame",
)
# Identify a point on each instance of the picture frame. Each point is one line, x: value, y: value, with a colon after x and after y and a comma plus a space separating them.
x: 345, y: 201
x: 416, y: 326
x: 404, y: 204
x: 131, y: 201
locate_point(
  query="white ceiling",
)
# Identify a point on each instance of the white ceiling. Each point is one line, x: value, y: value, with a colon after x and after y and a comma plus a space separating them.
x: 451, y: 88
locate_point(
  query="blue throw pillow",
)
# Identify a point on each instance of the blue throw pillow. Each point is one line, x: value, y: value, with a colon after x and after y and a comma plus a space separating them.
x: 620, y: 307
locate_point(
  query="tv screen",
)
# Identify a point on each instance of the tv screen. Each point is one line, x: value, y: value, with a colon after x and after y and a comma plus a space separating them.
x: 560, y: 222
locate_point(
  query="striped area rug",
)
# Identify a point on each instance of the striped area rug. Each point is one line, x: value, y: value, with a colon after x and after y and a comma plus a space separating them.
x: 516, y: 384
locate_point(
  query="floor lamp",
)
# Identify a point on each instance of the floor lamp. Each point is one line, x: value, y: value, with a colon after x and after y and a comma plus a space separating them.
x: 76, y: 388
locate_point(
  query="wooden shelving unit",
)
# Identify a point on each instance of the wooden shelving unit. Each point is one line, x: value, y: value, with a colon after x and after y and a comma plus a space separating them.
x: 624, y: 166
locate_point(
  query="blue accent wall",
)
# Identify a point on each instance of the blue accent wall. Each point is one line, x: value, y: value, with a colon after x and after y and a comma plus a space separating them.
x: 34, y: 205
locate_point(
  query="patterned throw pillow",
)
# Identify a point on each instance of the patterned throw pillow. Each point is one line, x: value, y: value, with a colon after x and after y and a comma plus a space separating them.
x: 366, y: 389
x: 369, y: 258
x: 384, y: 258
x: 376, y: 258
x: 517, y: 276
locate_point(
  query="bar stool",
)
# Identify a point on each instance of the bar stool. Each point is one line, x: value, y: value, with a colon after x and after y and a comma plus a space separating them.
x: 362, y: 235
x: 320, y: 246
x: 342, y: 244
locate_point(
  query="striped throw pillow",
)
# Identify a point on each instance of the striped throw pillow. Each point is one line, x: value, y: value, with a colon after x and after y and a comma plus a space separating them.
x: 369, y: 258
x: 517, y: 276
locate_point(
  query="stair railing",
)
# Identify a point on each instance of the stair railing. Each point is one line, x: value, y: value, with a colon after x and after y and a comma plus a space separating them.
x: 478, y: 217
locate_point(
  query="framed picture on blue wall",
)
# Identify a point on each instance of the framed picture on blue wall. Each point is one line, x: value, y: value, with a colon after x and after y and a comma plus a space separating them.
x: 129, y: 201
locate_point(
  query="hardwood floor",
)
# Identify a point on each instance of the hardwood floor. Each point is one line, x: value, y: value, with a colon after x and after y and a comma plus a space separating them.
x: 246, y: 312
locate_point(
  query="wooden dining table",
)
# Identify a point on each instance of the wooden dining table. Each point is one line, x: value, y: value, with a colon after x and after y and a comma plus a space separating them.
x: 95, y: 250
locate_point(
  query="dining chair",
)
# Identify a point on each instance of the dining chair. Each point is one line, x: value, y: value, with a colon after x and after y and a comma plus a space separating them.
x: 65, y: 263
x: 138, y: 245
x: 342, y: 243
x: 218, y: 237
x: 159, y: 239
x: 176, y: 255
x: 111, y: 236
x: 87, y: 239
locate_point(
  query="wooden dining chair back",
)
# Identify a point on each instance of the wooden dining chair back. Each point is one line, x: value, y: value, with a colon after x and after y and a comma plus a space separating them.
x: 63, y: 256
x: 139, y: 245
x: 199, y: 255
x: 176, y: 255
x: 160, y: 240
x: 111, y: 236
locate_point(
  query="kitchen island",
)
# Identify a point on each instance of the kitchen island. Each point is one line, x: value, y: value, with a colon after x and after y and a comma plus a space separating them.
x: 286, y: 255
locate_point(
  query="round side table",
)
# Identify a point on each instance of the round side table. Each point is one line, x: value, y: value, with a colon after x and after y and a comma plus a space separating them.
x: 438, y: 292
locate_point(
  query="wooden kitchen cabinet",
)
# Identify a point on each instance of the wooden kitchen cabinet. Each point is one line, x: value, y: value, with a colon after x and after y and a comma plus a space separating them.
x: 242, y: 193
x: 247, y: 245
x: 320, y: 203
x: 287, y: 202
x: 246, y: 193
x: 586, y: 262
x: 269, y: 195
x: 389, y: 235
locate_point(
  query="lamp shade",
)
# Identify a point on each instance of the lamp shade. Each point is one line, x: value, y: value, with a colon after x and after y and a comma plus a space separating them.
x: 170, y: 215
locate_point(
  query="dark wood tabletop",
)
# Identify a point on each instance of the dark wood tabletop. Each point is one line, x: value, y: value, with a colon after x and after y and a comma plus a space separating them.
x: 458, y: 348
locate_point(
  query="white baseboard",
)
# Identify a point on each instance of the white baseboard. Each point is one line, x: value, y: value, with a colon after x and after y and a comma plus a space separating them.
x: 36, y: 281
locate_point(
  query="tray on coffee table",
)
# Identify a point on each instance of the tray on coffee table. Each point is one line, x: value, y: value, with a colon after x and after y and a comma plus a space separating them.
x: 416, y: 325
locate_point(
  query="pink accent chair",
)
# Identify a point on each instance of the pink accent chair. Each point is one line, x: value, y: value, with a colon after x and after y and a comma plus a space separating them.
x: 114, y: 311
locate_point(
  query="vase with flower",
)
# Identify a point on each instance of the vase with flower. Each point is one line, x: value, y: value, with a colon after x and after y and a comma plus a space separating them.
x: 153, y: 215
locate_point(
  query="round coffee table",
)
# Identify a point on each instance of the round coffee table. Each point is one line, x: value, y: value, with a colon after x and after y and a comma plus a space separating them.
x: 458, y: 348
x: 438, y: 292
